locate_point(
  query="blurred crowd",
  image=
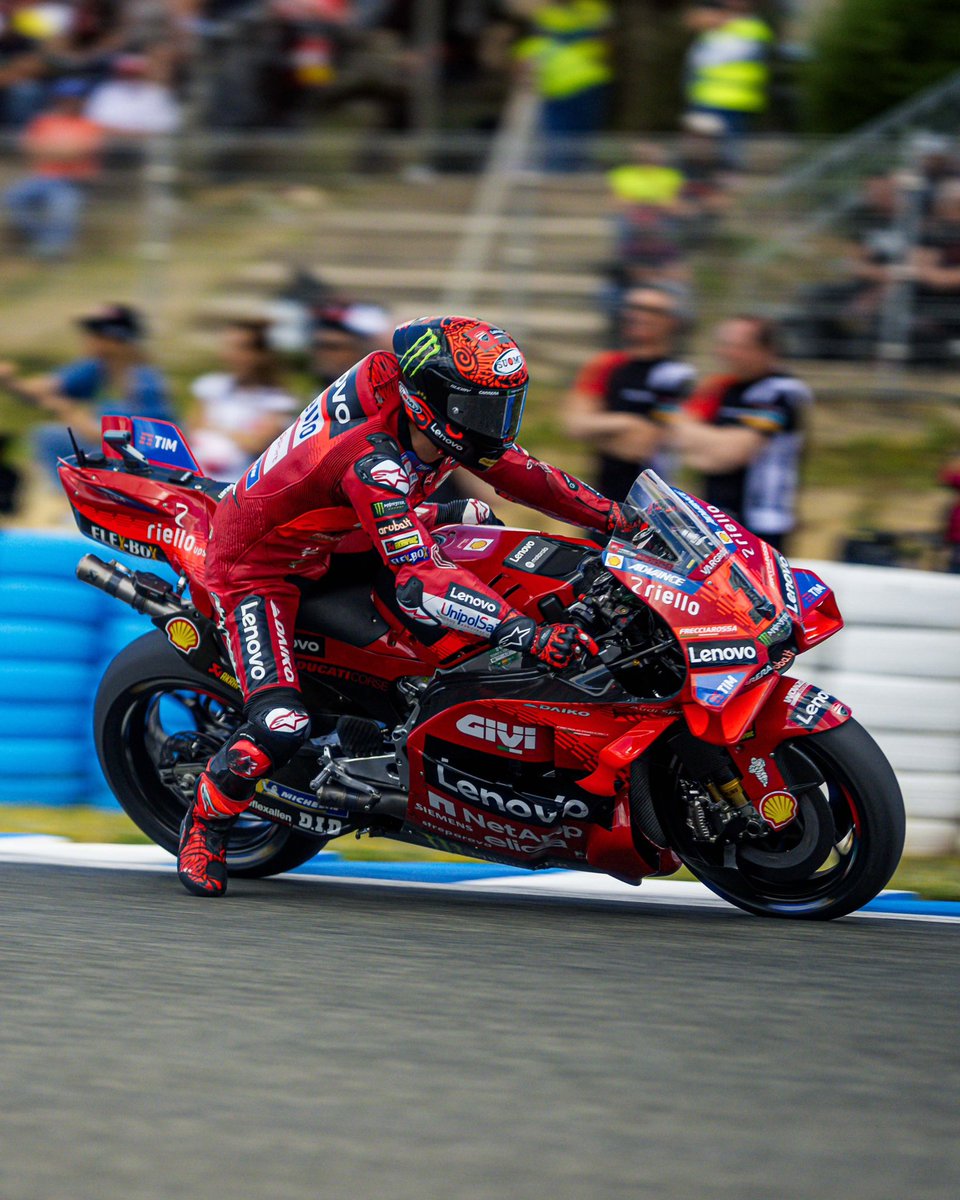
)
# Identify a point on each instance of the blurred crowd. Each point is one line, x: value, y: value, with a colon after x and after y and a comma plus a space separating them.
x: 87, y: 86
x: 635, y: 407
x: 899, y: 263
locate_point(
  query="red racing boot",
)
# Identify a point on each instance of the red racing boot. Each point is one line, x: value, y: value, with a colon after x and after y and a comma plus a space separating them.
x: 202, y: 857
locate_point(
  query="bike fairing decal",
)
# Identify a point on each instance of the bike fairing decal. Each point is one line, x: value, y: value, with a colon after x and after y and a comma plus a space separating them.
x: 789, y: 586
x: 183, y: 634
x: 715, y: 690
x: 503, y: 799
x: 724, y: 527
x: 714, y: 654
x: 811, y: 588
x: 810, y: 704
x: 472, y: 826
x: 621, y: 561
x: 117, y: 541
x: 161, y: 442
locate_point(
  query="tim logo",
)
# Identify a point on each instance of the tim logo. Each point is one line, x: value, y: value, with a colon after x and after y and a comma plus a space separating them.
x: 515, y: 738
x: 157, y: 441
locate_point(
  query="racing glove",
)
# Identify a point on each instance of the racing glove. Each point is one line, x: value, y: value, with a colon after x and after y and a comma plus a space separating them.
x: 466, y: 512
x: 556, y: 645
x: 617, y: 522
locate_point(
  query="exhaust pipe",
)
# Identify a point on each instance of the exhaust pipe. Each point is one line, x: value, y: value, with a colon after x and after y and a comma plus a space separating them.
x: 144, y: 592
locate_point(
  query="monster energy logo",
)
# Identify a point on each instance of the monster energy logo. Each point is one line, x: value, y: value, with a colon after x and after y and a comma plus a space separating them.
x: 420, y: 353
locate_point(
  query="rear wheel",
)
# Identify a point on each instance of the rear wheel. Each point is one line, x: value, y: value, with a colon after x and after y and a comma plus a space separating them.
x: 154, y: 717
x: 834, y: 857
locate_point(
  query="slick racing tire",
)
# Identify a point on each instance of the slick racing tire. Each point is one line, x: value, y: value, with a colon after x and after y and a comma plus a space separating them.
x: 152, y: 707
x: 838, y: 853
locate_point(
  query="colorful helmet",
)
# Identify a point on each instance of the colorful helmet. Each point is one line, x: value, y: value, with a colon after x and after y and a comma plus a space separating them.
x: 464, y: 385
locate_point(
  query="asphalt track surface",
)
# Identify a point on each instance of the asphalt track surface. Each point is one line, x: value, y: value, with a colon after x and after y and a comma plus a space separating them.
x: 324, y: 1041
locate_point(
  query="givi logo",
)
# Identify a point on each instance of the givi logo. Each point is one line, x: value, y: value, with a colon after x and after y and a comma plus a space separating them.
x: 515, y: 738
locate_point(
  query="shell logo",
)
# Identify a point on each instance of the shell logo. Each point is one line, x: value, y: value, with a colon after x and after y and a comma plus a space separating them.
x: 183, y: 634
x: 778, y: 809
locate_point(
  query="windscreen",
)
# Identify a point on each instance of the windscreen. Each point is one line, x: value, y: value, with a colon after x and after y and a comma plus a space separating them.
x: 675, y: 535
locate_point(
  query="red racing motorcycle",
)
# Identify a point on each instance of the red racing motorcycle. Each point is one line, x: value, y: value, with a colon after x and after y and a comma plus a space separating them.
x: 682, y: 742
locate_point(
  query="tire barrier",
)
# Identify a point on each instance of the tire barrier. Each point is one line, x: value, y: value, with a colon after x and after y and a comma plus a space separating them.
x: 57, y: 637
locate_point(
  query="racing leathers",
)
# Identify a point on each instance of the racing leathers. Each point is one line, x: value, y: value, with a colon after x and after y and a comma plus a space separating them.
x: 341, y: 479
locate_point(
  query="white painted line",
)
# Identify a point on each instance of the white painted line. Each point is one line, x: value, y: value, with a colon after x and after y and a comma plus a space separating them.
x: 46, y: 850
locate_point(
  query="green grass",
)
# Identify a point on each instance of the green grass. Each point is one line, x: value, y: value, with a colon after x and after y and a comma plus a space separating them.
x: 932, y: 878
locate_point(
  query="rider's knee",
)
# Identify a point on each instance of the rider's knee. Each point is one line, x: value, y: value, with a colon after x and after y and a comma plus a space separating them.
x: 279, y: 722
x: 276, y: 725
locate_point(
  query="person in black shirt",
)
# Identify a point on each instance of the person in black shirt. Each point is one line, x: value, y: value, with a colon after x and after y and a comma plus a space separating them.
x: 744, y: 431
x: 620, y: 398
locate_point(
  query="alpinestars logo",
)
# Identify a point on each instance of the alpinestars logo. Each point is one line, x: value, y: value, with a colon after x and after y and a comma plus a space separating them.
x: 514, y: 738
x: 286, y: 720
x: 391, y: 475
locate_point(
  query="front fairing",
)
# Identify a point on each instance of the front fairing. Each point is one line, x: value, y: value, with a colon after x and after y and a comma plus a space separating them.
x: 732, y: 603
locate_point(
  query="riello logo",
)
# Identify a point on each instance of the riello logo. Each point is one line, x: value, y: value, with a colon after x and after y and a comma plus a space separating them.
x: 515, y: 738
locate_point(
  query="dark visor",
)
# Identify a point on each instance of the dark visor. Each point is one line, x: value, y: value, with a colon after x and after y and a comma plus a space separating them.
x: 496, y: 417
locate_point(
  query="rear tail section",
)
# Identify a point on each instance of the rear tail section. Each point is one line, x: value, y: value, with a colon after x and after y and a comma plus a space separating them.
x: 161, y: 443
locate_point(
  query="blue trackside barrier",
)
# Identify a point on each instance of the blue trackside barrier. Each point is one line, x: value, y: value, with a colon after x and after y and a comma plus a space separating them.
x: 58, y: 637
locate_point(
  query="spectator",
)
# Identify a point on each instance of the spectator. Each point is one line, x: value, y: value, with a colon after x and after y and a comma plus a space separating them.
x: 936, y: 163
x: 21, y: 95
x: 63, y: 148
x: 112, y: 378
x: 935, y: 271
x: 726, y: 70
x: 950, y: 477
x: 569, y: 55
x: 242, y: 409
x: 342, y: 334
x: 706, y: 188
x: 620, y: 399
x: 648, y: 193
x: 136, y: 102
x: 744, y: 431
x: 839, y: 320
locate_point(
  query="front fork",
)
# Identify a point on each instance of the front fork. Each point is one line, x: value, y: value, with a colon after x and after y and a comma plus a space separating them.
x: 728, y: 811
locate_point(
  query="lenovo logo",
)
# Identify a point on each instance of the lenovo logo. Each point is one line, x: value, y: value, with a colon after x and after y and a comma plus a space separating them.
x: 719, y: 654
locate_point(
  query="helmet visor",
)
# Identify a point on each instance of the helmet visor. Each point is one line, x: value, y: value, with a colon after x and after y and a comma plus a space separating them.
x: 496, y: 415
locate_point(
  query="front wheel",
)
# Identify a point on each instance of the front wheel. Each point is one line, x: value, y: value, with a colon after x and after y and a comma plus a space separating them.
x: 154, y: 717
x: 838, y: 853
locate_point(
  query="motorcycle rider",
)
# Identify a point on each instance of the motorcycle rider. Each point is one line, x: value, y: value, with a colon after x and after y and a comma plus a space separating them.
x: 354, y: 471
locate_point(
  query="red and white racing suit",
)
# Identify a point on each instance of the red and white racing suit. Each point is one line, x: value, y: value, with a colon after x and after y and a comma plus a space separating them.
x: 341, y: 480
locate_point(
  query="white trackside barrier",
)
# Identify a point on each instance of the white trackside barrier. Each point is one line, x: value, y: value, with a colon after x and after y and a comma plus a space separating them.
x: 897, y: 664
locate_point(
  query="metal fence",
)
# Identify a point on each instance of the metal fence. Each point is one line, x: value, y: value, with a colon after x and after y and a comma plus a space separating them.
x: 204, y: 226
